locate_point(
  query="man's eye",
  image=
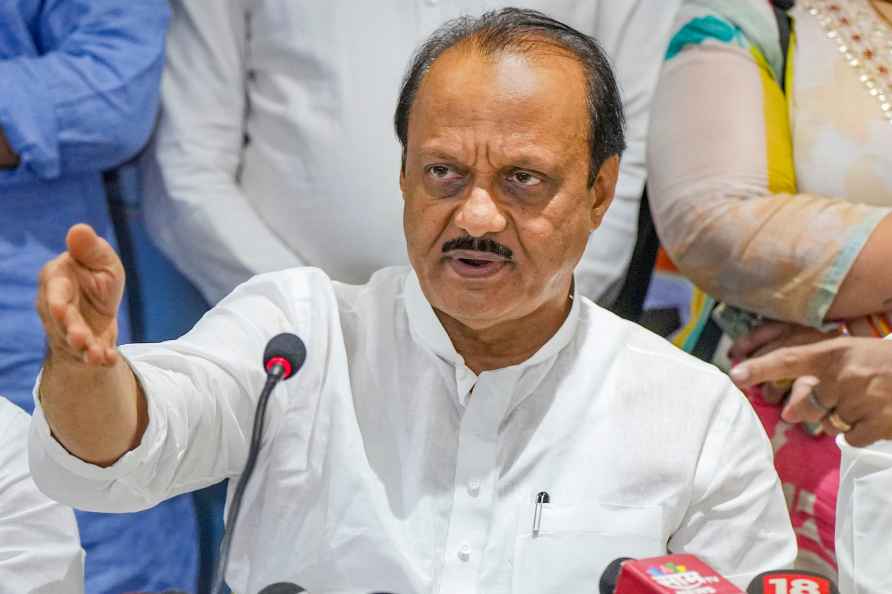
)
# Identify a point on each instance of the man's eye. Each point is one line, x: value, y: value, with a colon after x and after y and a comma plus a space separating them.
x: 525, y: 179
x: 442, y: 172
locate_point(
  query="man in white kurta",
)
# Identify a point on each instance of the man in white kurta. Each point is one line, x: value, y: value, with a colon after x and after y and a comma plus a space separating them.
x: 40, y: 552
x: 437, y: 402
x: 389, y: 465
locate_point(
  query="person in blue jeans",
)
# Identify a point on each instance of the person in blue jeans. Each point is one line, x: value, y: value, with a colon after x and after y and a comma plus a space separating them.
x: 79, y: 83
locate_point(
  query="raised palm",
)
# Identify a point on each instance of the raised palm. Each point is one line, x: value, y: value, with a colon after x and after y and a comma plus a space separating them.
x: 78, y: 298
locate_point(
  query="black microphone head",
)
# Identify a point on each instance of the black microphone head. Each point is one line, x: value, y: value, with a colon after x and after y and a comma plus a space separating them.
x: 283, y: 587
x: 287, y: 350
x: 607, y: 583
x: 791, y: 580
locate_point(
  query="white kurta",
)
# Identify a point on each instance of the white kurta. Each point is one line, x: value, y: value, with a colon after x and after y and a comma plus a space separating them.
x: 863, y: 519
x: 382, y: 470
x: 40, y: 551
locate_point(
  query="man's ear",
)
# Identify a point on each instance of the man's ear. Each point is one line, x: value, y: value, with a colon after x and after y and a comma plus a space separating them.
x: 603, y: 189
x: 403, y: 178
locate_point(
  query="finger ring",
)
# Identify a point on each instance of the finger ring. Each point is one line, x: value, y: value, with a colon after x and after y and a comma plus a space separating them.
x: 838, y: 423
x: 813, y: 400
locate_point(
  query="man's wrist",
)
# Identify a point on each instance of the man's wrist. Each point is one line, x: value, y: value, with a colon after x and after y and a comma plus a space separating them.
x: 59, y: 354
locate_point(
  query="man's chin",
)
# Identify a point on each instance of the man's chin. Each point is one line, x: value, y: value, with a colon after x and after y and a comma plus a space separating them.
x: 474, y: 309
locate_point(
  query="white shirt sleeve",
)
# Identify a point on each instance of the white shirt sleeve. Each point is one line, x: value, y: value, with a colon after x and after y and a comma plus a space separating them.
x: 194, y: 206
x: 634, y: 35
x: 40, y: 549
x: 202, y: 392
x: 863, y: 518
x: 738, y: 517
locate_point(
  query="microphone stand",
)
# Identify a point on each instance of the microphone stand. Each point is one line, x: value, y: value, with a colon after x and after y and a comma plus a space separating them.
x: 274, y: 375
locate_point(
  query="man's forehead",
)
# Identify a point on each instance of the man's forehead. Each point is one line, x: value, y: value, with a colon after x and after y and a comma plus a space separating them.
x: 523, y: 149
x: 512, y: 101
x: 525, y: 72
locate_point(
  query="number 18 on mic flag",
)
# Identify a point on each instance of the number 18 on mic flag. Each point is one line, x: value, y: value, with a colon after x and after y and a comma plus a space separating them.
x: 791, y: 581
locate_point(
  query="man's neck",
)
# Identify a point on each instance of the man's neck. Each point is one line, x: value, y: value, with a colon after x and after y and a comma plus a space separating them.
x: 507, y: 343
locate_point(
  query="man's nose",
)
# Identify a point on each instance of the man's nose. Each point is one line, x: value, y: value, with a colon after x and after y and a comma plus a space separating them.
x: 480, y: 214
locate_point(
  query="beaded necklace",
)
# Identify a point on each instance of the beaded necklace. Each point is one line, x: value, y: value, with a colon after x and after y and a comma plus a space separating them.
x: 865, y: 42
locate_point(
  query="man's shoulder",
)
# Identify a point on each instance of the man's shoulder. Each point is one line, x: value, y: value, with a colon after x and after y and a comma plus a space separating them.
x: 644, y: 357
x: 296, y: 278
x: 307, y: 291
x: 384, y: 285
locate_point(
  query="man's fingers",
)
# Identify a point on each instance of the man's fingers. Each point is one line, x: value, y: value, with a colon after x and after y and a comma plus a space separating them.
x: 89, y: 250
x: 77, y: 331
x: 805, y: 403
x: 111, y: 356
x: 95, y: 354
x: 59, y: 296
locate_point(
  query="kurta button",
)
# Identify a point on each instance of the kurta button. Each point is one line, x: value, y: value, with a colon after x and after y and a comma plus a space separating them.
x: 464, y: 553
x: 474, y: 488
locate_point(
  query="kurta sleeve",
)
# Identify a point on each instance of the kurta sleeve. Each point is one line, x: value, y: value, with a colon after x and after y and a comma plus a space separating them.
x: 722, y: 185
x: 195, y: 207
x: 89, y: 102
x: 40, y: 551
x: 737, y: 517
x: 863, y: 522
x: 202, y: 391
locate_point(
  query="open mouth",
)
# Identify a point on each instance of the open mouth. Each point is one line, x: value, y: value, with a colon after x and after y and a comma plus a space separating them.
x: 475, y: 263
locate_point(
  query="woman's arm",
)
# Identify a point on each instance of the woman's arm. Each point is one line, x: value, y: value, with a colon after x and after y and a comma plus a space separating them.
x: 723, y: 193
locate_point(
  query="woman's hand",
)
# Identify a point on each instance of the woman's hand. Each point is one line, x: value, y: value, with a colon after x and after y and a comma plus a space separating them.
x: 769, y: 337
x: 845, y: 382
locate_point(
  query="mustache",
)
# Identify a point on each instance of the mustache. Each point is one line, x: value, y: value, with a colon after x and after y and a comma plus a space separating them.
x: 478, y: 244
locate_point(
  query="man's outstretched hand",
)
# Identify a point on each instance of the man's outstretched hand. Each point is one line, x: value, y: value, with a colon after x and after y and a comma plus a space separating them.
x: 78, y: 298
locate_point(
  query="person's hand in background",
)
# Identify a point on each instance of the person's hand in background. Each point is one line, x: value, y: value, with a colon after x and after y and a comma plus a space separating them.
x: 767, y: 338
x: 846, y: 383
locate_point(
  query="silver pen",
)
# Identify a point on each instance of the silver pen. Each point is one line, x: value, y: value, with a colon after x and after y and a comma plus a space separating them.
x: 541, y: 499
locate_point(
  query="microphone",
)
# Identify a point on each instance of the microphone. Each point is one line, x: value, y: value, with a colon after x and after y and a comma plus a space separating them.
x: 284, y: 355
x: 282, y: 588
x: 607, y: 583
x: 668, y: 574
x: 791, y: 581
